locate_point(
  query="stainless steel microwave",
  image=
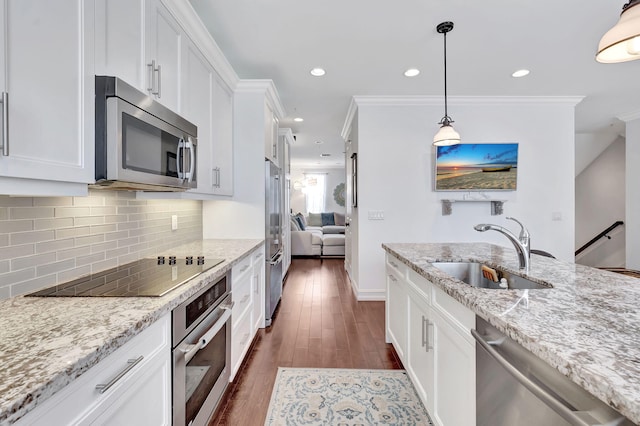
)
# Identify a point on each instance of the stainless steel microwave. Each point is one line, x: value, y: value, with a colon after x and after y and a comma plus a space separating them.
x: 141, y: 144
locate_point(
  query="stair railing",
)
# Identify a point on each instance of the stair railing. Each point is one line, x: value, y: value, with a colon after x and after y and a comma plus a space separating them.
x: 600, y: 235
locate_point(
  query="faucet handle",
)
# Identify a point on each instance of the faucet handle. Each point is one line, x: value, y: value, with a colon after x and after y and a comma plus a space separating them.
x: 524, y: 233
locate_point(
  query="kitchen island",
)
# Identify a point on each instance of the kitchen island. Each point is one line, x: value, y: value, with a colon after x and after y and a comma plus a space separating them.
x: 46, y: 343
x: 587, y: 326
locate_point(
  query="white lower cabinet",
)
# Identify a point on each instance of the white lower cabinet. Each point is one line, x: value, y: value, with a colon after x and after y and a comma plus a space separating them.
x: 431, y: 333
x: 247, y: 289
x: 141, y: 396
x: 396, y: 311
x: 258, y: 289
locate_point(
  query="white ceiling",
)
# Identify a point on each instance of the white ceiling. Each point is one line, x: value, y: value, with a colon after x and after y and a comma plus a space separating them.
x: 366, y: 45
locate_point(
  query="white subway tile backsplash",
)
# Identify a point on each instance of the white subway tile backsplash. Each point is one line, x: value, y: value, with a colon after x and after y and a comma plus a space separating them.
x: 49, y: 240
x: 32, y: 285
x: 8, y: 226
x: 88, y: 220
x: 30, y: 237
x: 78, y: 231
x: 10, y: 278
x: 89, y: 259
x: 30, y: 212
x: 64, y: 222
x: 28, y: 261
x: 52, y: 268
x: 56, y: 245
x: 73, y: 273
x: 91, y: 239
x: 7, y: 201
x: 72, y: 211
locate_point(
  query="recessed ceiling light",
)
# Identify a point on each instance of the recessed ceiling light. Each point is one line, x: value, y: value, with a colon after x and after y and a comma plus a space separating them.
x: 319, y: 142
x: 298, y: 119
x: 411, y: 72
x: 325, y: 155
x: 317, y: 72
x: 520, y: 73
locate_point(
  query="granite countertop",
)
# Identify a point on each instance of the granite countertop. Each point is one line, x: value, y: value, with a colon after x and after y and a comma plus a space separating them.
x: 45, y: 343
x: 587, y: 326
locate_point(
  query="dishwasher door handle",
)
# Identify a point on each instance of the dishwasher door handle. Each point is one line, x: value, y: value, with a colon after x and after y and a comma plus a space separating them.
x: 548, y: 399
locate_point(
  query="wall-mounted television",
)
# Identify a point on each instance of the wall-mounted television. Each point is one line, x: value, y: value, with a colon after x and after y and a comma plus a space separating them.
x: 477, y: 167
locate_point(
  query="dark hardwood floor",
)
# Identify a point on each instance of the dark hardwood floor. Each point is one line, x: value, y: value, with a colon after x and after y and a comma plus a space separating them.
x: 319, y: 323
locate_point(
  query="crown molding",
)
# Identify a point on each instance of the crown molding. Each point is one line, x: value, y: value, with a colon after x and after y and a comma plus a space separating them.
x: 351, y: 112
x: 417, y: 100
x: 287, y: 133
x: 191, y: 23
x: 268, y: 89
x: 630, y: 116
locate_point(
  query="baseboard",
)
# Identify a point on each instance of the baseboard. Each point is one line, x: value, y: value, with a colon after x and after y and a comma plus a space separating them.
x: 368, y: 295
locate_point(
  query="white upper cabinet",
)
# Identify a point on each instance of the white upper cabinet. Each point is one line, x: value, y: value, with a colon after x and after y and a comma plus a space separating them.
x: 141, y: 42
x: 120, y: 35
x: 197, y: 101
x: 222, y: 152
x: 47, y: 79
x: 271, y: 135
x: 164, y: 45
x: 208, y: 103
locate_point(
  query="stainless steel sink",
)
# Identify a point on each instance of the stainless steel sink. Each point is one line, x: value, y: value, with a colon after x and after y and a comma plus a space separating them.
x: 471, y: 273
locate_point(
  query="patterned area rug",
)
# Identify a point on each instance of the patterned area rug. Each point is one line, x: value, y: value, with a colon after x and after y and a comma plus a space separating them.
x: 327, y: 396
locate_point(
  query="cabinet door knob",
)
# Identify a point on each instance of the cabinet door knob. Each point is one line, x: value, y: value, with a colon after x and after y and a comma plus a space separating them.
x: 5, y: 124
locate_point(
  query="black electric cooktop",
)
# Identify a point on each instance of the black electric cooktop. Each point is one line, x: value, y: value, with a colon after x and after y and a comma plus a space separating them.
x: 145, y: 277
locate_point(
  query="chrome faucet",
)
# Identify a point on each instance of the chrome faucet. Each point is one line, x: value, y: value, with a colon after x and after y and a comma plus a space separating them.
x: 522, y: 243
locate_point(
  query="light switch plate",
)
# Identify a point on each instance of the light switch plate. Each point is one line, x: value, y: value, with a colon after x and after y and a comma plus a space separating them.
x: 376, y: 215
x: 174, y: 222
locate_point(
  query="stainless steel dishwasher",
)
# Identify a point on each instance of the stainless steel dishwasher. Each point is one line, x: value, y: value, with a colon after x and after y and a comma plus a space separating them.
x: 514, y: 387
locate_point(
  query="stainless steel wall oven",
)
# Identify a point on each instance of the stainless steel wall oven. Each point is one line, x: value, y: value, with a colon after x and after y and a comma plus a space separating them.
x: 201, y: 343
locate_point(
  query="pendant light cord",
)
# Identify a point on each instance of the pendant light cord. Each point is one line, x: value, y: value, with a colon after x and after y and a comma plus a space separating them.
x: 446, y: 113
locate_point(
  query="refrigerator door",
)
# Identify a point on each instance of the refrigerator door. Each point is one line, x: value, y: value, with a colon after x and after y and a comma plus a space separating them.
x: 273, y: 239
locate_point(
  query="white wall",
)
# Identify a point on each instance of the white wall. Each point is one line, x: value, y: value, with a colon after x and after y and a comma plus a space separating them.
x: 632, y: 223
x: 333, y: 178
x: 395, y: 159
x: 600, y: 201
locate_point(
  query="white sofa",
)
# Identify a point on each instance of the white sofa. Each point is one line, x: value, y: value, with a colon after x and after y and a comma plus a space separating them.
x: 325, y: 240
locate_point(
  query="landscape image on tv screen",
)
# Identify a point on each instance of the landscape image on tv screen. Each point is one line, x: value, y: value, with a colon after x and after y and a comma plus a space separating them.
x: 477, y: 167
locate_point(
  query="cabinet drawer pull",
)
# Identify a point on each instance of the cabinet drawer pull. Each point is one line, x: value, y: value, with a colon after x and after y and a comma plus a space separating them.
x: 425, y: 327
x: 244, y: 299
x: 131, y: 363
x: 245, y: 268
x: 392, y: 278
x: 394, y: 264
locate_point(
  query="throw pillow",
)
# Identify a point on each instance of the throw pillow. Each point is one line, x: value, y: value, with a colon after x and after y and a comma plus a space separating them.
x: 302, y: 218
x: 338, y: 218
x: 315, y: 219
x: 300, y: 223
x: 294, y: 225
x: 327, y: 219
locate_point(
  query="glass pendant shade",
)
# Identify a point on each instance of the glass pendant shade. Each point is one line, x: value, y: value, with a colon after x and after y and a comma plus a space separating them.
x: 446, y: 136
x: 622, y: 42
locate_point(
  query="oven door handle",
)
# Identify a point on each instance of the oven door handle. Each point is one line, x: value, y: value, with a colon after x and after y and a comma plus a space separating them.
x: 191, y: 350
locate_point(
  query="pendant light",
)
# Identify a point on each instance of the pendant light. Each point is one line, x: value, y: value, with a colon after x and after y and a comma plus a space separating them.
x: 622, y: 42
x: 446, y: 135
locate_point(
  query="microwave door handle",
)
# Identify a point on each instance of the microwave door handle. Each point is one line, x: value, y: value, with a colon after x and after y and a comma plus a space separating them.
x: 180, y: 159
x: 192, y: 159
